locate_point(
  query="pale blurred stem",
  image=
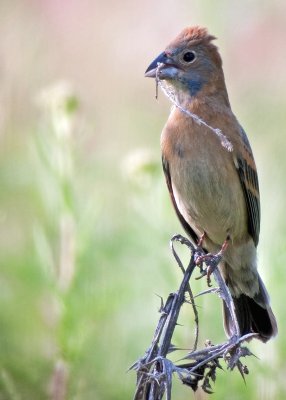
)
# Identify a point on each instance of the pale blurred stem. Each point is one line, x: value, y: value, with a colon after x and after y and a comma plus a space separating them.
x: 66, y: 257
x: 66, y: 251
x: 67, y: 220
x: 59, y: 381
x: 55, y: 151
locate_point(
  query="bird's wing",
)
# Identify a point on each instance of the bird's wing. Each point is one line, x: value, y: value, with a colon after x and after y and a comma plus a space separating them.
x: 246, y: 168
x: 184, y: 223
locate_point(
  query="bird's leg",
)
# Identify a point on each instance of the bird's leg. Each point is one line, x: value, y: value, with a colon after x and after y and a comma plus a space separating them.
x: 200, y: 253
x: 201, y: 239
x: 211, y: 261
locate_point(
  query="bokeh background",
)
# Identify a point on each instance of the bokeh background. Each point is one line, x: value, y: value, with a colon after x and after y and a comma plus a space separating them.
x: 85, y: 217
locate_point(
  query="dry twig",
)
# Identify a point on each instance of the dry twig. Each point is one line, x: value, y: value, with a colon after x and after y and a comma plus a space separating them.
x: 169, y: 92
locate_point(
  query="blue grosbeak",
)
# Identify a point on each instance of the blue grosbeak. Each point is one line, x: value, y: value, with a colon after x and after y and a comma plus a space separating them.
x: 214, y: 189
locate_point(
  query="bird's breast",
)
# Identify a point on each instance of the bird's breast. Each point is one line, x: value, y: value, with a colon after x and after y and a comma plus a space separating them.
x: 205, y: 182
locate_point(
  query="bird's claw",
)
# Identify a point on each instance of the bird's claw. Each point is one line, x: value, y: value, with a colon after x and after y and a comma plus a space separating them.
x: 211, y: 261
x: 203, y: 273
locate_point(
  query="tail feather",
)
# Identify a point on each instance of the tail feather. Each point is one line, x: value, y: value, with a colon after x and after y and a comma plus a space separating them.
x: 254, y: 315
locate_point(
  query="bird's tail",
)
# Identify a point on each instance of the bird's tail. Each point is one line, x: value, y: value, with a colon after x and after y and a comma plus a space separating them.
x: 254, y: 315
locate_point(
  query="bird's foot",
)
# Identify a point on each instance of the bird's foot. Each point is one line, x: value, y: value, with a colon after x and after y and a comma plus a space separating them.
x: 210, y: 260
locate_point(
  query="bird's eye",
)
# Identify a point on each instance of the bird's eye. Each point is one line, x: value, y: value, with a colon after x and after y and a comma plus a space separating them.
x: 189, y: 56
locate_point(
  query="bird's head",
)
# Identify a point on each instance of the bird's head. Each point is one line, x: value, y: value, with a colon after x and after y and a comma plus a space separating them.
x: 190, y: 63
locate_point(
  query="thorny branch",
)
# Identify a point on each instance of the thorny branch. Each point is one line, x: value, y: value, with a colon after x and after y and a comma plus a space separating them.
x: 155, y: 370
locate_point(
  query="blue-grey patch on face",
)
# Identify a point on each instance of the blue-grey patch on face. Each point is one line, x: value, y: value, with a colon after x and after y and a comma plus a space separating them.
x: 193, y: 85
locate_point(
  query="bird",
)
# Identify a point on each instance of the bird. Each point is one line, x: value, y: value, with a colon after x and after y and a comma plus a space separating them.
x: 213, y: 187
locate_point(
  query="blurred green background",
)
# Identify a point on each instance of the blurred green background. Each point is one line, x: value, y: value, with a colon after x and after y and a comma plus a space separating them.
x: 85, y: 217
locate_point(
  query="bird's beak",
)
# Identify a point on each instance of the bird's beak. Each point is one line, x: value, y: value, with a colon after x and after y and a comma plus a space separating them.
x: 167, y: 71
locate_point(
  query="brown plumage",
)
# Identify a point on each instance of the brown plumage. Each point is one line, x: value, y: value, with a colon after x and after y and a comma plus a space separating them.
x: 215, y: 192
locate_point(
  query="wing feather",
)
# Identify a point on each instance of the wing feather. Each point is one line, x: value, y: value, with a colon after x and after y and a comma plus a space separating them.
x: 184, y: 223
x: 249, y: 182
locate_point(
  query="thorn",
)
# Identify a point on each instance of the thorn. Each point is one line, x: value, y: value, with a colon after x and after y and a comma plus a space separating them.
x: 207, y: 291
x: 172, y: 348
x: 161, y: 309
x: 203, y: 273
